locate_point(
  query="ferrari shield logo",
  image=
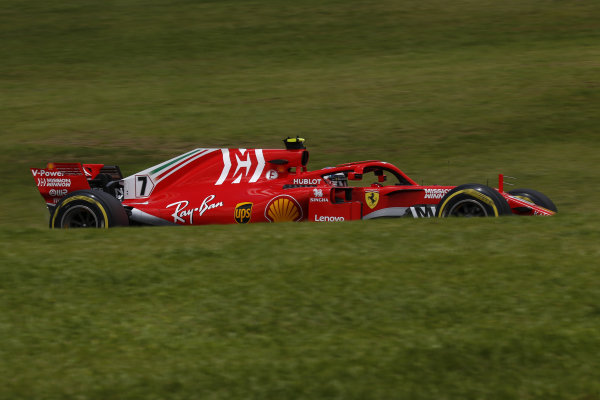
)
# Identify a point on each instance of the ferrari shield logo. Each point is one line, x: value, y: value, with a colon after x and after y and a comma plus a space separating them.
x: 372, y: 198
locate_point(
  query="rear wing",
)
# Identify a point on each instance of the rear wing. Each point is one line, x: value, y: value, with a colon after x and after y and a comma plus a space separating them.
x: 59, y: 179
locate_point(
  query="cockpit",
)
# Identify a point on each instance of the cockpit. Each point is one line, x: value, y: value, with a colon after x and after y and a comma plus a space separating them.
x: 360, y: 175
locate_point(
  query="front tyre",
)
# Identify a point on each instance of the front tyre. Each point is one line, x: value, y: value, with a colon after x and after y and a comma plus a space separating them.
x: 472, y: 200
x: 535, y: 197
x: 88, y: 209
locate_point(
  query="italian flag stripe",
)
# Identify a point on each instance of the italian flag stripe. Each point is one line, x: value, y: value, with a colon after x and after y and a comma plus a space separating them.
x: 173, y: 161
x: 159, y: 177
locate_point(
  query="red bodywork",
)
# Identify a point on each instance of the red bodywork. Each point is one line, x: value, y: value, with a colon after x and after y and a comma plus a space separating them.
x: 224, y: 186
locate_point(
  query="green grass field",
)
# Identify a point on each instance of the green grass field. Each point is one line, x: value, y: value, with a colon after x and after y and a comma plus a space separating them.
x: 452, y: 92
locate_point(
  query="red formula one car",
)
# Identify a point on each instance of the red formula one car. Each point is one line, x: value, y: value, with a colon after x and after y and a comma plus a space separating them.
x: 225, y: 186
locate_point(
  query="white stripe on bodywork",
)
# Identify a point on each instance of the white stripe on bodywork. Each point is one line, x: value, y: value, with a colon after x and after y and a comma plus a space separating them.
x: 226, y: 167
x: 387, y: 212
x: 261, y: 165
x: 145, y: 218
x: 246, y: 164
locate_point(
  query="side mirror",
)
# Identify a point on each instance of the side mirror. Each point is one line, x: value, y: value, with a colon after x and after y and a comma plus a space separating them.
x: 353, y: 176
x: 382, y: 178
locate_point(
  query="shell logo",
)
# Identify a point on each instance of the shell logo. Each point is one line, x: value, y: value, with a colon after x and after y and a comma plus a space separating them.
x: 283, y: 209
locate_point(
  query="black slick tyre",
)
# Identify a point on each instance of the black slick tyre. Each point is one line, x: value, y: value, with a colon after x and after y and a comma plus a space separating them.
x: 88, y: 209
x: 535, y: 197
x: 472, y: 200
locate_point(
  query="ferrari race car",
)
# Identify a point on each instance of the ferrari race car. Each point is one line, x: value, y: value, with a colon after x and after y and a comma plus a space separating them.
x: 226, y: 186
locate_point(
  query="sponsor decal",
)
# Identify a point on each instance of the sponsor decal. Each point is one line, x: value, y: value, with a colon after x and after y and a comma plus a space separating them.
x: 243, y: 213
x: 243, y: 166
x: 271, y: 174
x: 283, y: 208
x: 327, y: 218
x: 424, y: 211
x: 54, y: 182
x: 435, y: 193
x: 249, y: 165
x: 182, y: 212
x: 45, y: 173
x: 59, y: 192
x: 371, y: 198
x: 305, y: 181
x: 318, y: 197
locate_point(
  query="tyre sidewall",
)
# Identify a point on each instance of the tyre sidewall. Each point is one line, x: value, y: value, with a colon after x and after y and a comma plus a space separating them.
x: 537, y: 198
x: 114, y: 208
x: 489, y: 199
x: 108, y: 213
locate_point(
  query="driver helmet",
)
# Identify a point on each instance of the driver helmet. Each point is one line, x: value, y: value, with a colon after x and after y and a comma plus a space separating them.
x: 338, y: 179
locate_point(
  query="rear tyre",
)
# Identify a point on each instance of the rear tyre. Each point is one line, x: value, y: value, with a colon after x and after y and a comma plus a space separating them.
x: 88, y: 209
x: 535, y: 197
x: 472, y: 200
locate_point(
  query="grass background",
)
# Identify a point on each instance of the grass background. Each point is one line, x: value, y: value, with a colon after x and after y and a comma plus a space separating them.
x: 420, y: 309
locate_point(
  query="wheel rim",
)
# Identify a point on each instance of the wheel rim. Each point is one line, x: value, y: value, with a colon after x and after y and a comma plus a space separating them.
x: 468, y: 208
x: 80, y: 216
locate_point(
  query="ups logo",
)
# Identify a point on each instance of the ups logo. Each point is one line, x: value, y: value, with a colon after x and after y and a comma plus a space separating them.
x: 243, y: 213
